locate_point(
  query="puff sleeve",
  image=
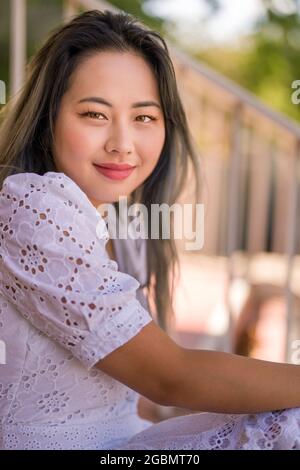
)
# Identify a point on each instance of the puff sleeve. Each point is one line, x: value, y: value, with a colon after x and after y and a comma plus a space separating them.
x: 54, y: 268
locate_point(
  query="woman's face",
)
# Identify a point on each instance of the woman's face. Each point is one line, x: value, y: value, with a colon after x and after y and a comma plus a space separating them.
x: 127, y: 130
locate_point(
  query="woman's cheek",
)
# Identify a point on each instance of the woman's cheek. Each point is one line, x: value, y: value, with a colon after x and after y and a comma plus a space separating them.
x: 151, y: 148
x: 80, y: 140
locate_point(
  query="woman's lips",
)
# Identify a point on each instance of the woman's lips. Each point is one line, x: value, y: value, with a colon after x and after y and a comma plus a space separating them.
x: 113, y: 173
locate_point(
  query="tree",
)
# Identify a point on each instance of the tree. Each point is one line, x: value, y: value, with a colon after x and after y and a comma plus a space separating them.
x: 266, y: 62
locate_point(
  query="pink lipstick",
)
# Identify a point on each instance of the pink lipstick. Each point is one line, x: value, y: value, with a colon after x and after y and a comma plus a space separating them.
x: 115, y: 171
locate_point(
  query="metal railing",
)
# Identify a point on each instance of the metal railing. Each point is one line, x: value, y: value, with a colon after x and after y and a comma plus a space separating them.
x: 250, y: 155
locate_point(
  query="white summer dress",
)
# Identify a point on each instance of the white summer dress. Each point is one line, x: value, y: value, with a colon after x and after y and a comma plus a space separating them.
x: 64, y: 305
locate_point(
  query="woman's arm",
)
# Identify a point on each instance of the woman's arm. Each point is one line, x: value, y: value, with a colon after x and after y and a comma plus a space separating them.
x: 152, y: 364
x: 228, y: 383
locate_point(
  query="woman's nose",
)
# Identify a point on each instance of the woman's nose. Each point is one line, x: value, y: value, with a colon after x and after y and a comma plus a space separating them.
x: 119, y: 141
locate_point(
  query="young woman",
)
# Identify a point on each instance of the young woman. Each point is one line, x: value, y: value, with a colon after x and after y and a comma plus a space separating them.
x: 80, y: 347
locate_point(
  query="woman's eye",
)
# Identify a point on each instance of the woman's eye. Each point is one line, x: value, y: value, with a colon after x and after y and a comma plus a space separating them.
x: 96, y: 115
x: 146, y: 116
x: 93, y: 114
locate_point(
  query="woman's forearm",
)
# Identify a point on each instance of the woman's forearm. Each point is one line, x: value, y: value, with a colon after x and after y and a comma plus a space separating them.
x: 228, y: 383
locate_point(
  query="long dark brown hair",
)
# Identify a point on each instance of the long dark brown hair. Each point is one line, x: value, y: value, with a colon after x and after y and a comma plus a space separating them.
x: 27, y: 130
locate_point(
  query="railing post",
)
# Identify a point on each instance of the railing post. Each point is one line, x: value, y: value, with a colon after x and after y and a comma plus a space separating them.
x: 233, y: 211
x: 18, y: 42
x: 292, y: 231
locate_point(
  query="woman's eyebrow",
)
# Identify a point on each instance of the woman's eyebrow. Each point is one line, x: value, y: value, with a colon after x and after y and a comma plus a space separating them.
x: 98, y: 99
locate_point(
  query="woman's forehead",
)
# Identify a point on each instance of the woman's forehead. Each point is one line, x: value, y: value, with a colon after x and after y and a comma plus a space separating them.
x: 115, y: 72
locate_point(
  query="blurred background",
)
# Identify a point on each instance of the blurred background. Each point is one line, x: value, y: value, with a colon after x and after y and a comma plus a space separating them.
x: 235, y: 64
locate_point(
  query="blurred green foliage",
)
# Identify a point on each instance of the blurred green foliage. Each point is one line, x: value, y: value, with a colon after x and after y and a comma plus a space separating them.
x: 265, y: 62
x: 136, y: 8
x: 4, y: 40
x: 42, y: 16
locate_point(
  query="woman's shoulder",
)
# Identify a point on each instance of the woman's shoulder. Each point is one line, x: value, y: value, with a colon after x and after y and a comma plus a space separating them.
x: 29, y: 177
x: 50, y: 187
x: 30, y: 196
x: 22, y: 182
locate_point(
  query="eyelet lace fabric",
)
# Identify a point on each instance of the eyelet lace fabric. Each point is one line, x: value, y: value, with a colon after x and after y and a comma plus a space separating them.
x: 64, y: 305
x: 276, y: 430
